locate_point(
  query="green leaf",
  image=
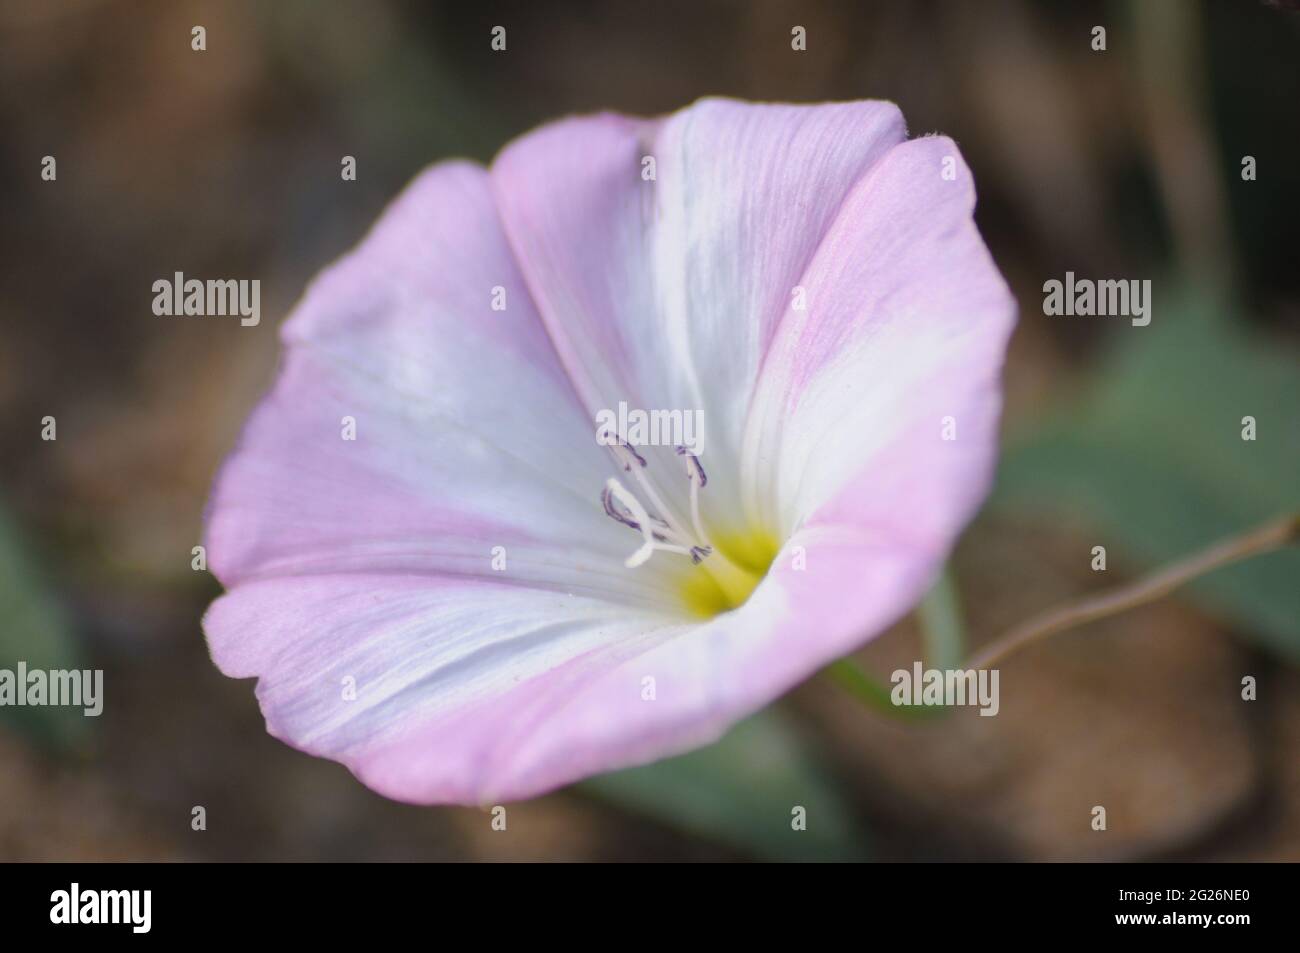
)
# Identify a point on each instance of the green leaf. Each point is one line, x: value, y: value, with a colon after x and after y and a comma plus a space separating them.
x: 874, y: 693
x: 741, y: 791
x: 34, y: 629
x: 1154, y: 457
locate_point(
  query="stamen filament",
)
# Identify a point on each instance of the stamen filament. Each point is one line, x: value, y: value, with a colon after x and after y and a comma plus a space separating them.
x: 663, y: 533
x: 640, y: 520
x: 695, y: 473
x: 658, y: 504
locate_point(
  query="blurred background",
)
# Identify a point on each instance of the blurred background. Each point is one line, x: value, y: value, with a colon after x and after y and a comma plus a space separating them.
x: 1123, y: 163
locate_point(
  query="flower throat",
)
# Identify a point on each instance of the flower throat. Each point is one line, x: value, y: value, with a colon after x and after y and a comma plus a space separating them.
x: 730, y: 566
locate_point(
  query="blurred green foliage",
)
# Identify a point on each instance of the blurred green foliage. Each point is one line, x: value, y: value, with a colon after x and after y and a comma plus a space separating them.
x: 741, y: 791
x: 1153, y: 456
x: 34, y: 628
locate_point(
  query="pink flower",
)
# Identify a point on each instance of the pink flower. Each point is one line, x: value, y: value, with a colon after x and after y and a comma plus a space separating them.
x: 473, y: 600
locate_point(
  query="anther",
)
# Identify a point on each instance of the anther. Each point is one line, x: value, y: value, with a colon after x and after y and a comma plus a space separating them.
x: 693, y: 466
x: 623, y: 451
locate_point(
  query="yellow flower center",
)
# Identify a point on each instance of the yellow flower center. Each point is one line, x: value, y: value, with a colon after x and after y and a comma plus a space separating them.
x: 727, y: 578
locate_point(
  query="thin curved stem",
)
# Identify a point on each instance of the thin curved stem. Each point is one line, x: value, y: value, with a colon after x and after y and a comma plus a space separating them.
x: 1267, y: 538
x: 1273, y: 535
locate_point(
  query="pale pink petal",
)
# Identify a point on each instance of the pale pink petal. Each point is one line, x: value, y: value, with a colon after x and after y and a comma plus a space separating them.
x: 350, y: 664
x: 468, y: 433
x: 878, y: 406
x: 434, y: 691
x: 665, y: 293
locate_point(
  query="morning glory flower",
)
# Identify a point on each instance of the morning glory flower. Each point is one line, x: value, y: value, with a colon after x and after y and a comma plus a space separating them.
x: 445, y: 575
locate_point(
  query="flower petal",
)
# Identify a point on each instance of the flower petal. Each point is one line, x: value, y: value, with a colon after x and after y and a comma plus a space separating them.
x: 468, y: 435
x: 350, y: 664
x: 666, y: 293
x: 473, y: 692
x: 878, y: 406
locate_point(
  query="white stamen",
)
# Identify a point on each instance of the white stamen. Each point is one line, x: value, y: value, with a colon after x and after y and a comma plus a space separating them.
x: 662, y: 532
x: 645, y: 523
x: 692, y: 474
x: 640, y: 556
